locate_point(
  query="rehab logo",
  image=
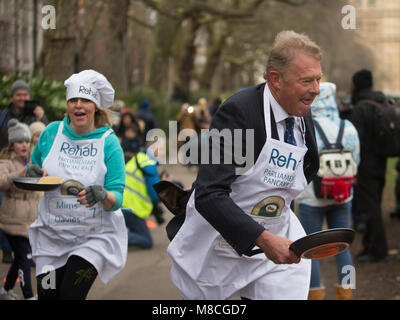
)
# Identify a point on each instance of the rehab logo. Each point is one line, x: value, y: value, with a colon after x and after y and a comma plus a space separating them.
x: 77, y: 150
x: 282, y: 161
x: 88, y: 91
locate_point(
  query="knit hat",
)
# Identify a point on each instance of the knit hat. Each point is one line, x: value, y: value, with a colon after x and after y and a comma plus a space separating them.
x: 36, y: 126
x: 18, y: 132
x: 91, y: 85
x: 19, y: 85
x: 362, y: 79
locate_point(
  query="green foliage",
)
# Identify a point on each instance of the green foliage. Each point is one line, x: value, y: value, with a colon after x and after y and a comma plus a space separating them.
x: 5, y: 88
x: 50, y: 94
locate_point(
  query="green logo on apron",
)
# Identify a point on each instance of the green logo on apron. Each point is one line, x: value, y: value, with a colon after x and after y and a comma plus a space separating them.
x: 269, y: 207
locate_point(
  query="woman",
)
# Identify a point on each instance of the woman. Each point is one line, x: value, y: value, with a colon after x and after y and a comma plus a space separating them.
x: 313, y: 210
x: 18, y: 209
x: 80, y: 236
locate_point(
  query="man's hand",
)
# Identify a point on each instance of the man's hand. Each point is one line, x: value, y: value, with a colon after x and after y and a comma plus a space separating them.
x: 34, y: 171
x: 276, y: 248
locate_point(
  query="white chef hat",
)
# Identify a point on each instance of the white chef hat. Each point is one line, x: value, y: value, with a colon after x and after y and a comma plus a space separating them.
x: 91, y: 85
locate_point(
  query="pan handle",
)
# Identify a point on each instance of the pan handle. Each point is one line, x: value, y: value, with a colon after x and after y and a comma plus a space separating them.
x: 251, y: 253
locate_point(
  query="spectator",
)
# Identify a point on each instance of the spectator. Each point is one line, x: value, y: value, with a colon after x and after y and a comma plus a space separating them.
x: 36, y: 129
x: 313, y: 210
x: 202, y: 115
x: 147, y: 117
x: 18, y: 209
x: 131, y: 140
x: 132, y: 146
x: 187, y: 119
x: 6, y: 247
x: 396, y: 212
x: 372, y: 168
x: 140, y: 198
x: 20, y: 92
x: 127, y: 118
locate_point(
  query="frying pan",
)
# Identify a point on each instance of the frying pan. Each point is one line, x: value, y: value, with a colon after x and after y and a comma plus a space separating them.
x: 68, y: 187
x: 321, y: 244
x: 31, y: 183
x: 172, y: 196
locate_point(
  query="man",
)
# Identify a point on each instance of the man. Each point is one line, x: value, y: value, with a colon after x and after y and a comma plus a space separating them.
x: 372, y: 168
x: 20, y: 92
x: 230, y: 211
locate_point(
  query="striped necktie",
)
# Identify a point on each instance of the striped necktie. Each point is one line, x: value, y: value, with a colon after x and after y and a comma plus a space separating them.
x: 289, y: 133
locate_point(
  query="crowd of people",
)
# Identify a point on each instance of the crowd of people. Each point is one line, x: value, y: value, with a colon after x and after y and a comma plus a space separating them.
x: 85, y: 234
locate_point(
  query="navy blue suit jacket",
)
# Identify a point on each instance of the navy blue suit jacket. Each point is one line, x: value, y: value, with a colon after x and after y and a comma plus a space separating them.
x: 243, y: 110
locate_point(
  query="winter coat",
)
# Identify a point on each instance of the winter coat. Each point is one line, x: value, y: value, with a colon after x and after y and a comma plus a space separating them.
x: 24, y: 117
x: 363, y: 117
x: 19, y: 207
x: 325, y: 111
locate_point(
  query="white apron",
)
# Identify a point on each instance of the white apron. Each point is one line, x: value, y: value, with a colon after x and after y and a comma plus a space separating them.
x: 205, y: 266
x: 64, y: 227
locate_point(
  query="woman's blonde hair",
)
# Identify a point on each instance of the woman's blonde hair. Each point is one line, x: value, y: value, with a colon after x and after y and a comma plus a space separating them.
x: 102, y: 118
x: 286, y: 45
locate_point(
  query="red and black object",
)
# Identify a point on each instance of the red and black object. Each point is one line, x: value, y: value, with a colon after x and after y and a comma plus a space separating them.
x: 323, y: 244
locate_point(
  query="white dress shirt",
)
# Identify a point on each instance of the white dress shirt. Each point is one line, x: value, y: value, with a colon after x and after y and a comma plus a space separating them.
x: 280, y: 115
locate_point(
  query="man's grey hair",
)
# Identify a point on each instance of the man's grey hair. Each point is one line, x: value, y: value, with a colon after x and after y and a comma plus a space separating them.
x: 286, y: 45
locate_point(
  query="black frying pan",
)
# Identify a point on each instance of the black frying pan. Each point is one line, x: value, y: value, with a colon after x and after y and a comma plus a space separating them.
x: 172, y: 196
x: 68, y: 187
x: 31, y: 183
x: 321, y: 244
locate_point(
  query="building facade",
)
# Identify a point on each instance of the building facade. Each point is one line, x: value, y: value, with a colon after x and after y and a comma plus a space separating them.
x: 378, y: 24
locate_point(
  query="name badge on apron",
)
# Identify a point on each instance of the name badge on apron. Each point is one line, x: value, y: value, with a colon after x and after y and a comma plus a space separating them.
x: 66, y: 214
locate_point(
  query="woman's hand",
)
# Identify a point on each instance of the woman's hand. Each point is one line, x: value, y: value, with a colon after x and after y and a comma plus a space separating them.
x: 35, y: 171
x: 94, y: 194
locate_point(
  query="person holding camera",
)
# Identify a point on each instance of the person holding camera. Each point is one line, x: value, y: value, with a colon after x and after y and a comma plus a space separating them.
x: 25, y: 111
x: 20, y: 108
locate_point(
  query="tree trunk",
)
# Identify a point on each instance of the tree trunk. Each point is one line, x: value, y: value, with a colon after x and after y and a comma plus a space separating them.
x: 165, y: 35
x: 215, y: 50
x: 185, y: 67
x: 59, y: 44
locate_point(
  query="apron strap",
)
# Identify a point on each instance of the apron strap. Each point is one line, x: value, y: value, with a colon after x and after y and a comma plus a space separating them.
x: 107, y: 133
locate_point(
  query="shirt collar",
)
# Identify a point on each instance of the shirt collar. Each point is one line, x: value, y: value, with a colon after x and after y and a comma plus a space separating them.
x: 279, y: 113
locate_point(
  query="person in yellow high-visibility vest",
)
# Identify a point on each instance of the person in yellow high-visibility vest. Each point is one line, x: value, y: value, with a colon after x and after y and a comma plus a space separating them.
x: 139, y: 197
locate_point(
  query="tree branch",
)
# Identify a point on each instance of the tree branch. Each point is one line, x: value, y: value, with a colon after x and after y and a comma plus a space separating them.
x: 156, y: 6
x: 293, y: 2
x: 226, y: 14
x: 141, y: 22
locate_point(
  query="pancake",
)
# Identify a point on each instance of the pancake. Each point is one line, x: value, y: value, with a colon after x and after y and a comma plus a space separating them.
x: 50, y: 180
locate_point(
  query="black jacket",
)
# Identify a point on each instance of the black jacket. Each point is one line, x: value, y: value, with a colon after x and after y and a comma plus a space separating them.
x: 363, y: 117
x: 244, y: 110
x: 24, y: 117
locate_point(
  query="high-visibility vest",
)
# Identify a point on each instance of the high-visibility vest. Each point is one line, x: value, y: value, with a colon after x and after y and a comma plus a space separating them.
x: 135, y: 195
